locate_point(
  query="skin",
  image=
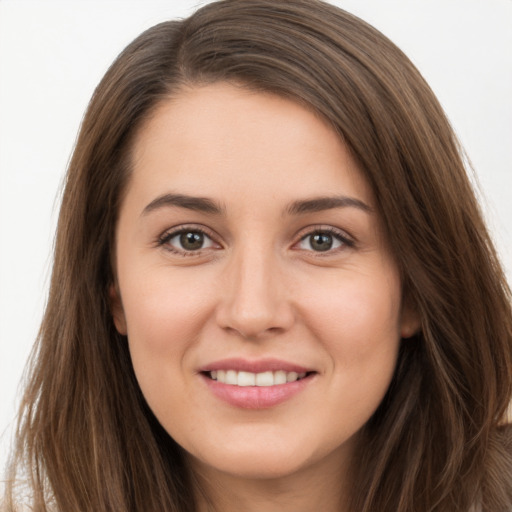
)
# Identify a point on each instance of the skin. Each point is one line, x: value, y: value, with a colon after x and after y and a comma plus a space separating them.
x: 257, y: 288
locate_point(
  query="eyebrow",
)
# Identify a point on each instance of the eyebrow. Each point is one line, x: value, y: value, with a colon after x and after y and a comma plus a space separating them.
x: 206, y: 205
x: 198, y: 204
x: 319, y: 204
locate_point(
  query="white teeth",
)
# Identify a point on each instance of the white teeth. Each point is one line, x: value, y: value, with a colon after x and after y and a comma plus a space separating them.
x: 280, y: 377
x: 255, y: 379
x: 292, y: 376
x: 231, y: 377
x: 265, y: 379
x: 246, y: 379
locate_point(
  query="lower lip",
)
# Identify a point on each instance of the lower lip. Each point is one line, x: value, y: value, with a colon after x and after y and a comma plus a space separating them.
x: 256, y: 397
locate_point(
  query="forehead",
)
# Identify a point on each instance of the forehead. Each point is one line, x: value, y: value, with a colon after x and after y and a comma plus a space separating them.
x: 221, y: 139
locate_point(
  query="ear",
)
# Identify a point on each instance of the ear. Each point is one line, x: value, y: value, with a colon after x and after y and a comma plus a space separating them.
x: 116, y: 308
x: 410, y: 321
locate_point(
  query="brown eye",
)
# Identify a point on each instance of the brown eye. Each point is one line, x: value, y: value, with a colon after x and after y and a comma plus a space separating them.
x: 192, y: 240
x: 186, y: 241
x: 324, y: 241
x: 321, y: 242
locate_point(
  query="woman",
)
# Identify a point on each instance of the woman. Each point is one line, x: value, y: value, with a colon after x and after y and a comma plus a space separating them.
x: 272, y: 287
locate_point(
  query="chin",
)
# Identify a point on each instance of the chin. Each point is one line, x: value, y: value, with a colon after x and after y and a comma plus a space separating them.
x: 263, y: 467
x: 258, y: 461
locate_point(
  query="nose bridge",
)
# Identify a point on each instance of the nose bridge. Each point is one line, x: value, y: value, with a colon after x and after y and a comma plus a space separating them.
x: 254, y: 301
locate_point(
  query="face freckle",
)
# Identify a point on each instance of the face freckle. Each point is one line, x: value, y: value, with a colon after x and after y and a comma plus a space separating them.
x: 248, y: 248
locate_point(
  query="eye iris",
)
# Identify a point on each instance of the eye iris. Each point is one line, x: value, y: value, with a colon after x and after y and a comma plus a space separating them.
x: 321, y: 242
x: 192, y: 241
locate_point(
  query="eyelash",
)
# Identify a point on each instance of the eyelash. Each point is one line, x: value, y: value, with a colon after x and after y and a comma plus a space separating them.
x: 344, y: 240
x: 167, y: 236
x: 342, y: 237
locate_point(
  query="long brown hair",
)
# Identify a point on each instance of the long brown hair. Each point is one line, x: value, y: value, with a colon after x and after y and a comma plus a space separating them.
x: 87, y: 440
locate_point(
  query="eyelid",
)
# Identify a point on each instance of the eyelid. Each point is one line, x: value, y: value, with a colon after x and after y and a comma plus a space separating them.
x: 170, y: 233
x: 346, y: 240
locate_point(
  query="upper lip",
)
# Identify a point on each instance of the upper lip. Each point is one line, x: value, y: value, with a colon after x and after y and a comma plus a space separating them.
x: 255, y: 366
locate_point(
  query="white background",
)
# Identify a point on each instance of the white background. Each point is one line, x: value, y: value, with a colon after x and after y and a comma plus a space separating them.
x: 53, y: 53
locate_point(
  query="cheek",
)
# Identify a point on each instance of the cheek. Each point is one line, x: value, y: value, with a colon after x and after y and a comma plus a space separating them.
x: 164, y: 318
x: 358, y: 325
x: 161, y: 305
x: 356, y: 313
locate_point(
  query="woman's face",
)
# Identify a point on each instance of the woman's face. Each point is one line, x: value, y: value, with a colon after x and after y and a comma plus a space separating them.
x: 261, y: 303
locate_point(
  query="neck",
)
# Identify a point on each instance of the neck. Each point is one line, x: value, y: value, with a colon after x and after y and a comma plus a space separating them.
x: 318, y: 487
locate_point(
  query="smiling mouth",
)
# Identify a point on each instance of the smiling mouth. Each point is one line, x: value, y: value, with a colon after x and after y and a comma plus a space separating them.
x: 263, y: 379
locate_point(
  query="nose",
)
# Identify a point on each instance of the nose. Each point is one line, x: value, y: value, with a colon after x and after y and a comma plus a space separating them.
x: 255, y: 300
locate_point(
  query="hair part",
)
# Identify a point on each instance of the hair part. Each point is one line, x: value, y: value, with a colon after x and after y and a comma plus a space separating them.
x: 87, y: 438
